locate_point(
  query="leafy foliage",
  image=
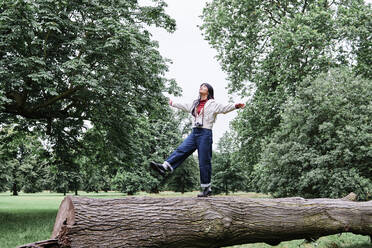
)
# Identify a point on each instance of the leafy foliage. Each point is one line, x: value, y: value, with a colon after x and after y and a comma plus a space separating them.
x: 276, y: 44
x: 95, y: 174
x: 229, y: 173
x: 323, y: 146
x: 23, y: 161
x: 156, y: 139
x: 67, y: 62
x: 132, y: 182
x: 185, y: 177
x: 66, y: 66
x: 271, y: 46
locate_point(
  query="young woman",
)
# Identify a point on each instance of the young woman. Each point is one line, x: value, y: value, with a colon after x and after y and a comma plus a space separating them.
x: 204, y: 111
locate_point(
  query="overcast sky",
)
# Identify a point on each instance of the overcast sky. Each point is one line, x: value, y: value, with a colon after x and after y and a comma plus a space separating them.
x: 193, y: 59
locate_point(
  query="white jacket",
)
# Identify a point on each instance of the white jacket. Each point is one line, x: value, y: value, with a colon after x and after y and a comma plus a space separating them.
x: 211, y: 110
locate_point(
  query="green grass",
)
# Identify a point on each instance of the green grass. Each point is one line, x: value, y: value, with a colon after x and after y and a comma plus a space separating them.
x: 345, y: 240
x: 30, y: 217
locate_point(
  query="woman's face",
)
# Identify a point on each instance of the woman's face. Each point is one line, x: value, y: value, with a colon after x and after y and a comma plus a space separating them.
x: 203, y: 90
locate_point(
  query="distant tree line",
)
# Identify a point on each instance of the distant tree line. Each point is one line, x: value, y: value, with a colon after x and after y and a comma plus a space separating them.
x: 31, y: 164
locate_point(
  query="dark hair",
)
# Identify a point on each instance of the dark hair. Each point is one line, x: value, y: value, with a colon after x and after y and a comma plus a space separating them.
x: 210, y: 90
x: 210, y: 96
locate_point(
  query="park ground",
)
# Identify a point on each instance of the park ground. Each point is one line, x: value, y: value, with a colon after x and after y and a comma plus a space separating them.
x: 30, y: 217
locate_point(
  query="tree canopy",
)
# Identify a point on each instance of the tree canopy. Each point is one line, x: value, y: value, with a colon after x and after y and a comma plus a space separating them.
x: 229, y: 173
x: 23, y: 161
x: 65, y: 62
x: 66, y: 67
x: 276, y: 44
x: 267, y: 48
x: 323, y: 145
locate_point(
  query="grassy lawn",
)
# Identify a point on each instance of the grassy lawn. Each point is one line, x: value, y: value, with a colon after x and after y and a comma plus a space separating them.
x: 30, y: 217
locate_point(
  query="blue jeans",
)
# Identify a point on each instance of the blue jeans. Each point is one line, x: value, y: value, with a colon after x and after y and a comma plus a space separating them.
x: 201, y: 139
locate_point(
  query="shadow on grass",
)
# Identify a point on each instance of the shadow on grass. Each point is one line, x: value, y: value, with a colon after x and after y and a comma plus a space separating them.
x: 25, y: 216
x: 365, y: 245
x: 347, y: 240
x: 25, y: 226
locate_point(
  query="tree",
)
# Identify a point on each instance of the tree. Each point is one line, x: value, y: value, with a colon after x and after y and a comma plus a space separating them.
x: 23, y: 159
x: 229, y: 174
x: 65, y: 63
x: 98, y: 163
x: 57, y: 58
x: 323, y: 145
x: 156, y: 138
x: 4, y: 171
x: 275, y: 44
x: 95, y: 175
x: 130, y: 182
x: 65, y: 172
x: 58, y: 178
x: 271, y: 46
x: 185, y: 177
x: 34, y: 173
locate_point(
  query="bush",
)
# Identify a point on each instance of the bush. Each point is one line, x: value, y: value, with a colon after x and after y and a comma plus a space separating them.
x: 132, y: 182
x: 185, y: 177
x: 230, y: 173
x: 323, y: 146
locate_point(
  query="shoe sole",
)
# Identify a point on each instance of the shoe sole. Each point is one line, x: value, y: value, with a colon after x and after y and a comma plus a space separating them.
x: 207, y: 195
x: 155, y: 168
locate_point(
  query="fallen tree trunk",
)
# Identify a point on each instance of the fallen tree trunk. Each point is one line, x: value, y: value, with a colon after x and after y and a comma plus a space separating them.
x: 204, y: 222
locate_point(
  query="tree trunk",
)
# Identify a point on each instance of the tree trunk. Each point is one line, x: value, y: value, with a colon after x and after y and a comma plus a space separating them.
x: 14, y: 183
x: 76, y: 185
x: 204, y: 222
x: 15, y: 189
x: 226, y: 188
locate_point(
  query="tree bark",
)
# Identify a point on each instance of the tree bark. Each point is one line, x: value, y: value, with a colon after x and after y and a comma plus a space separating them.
x: 15, y: 189
x: 50, y: 243
x: 204, y: 222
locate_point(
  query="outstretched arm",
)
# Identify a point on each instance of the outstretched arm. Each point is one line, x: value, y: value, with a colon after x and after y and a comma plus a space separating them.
x: 224, y: 109
x: 185, y: 107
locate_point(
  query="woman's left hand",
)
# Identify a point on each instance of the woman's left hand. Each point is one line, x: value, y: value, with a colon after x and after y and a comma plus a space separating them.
x: 240, y: 105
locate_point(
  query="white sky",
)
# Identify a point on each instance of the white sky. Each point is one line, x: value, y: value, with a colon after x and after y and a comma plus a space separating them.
x: 193, y: 59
